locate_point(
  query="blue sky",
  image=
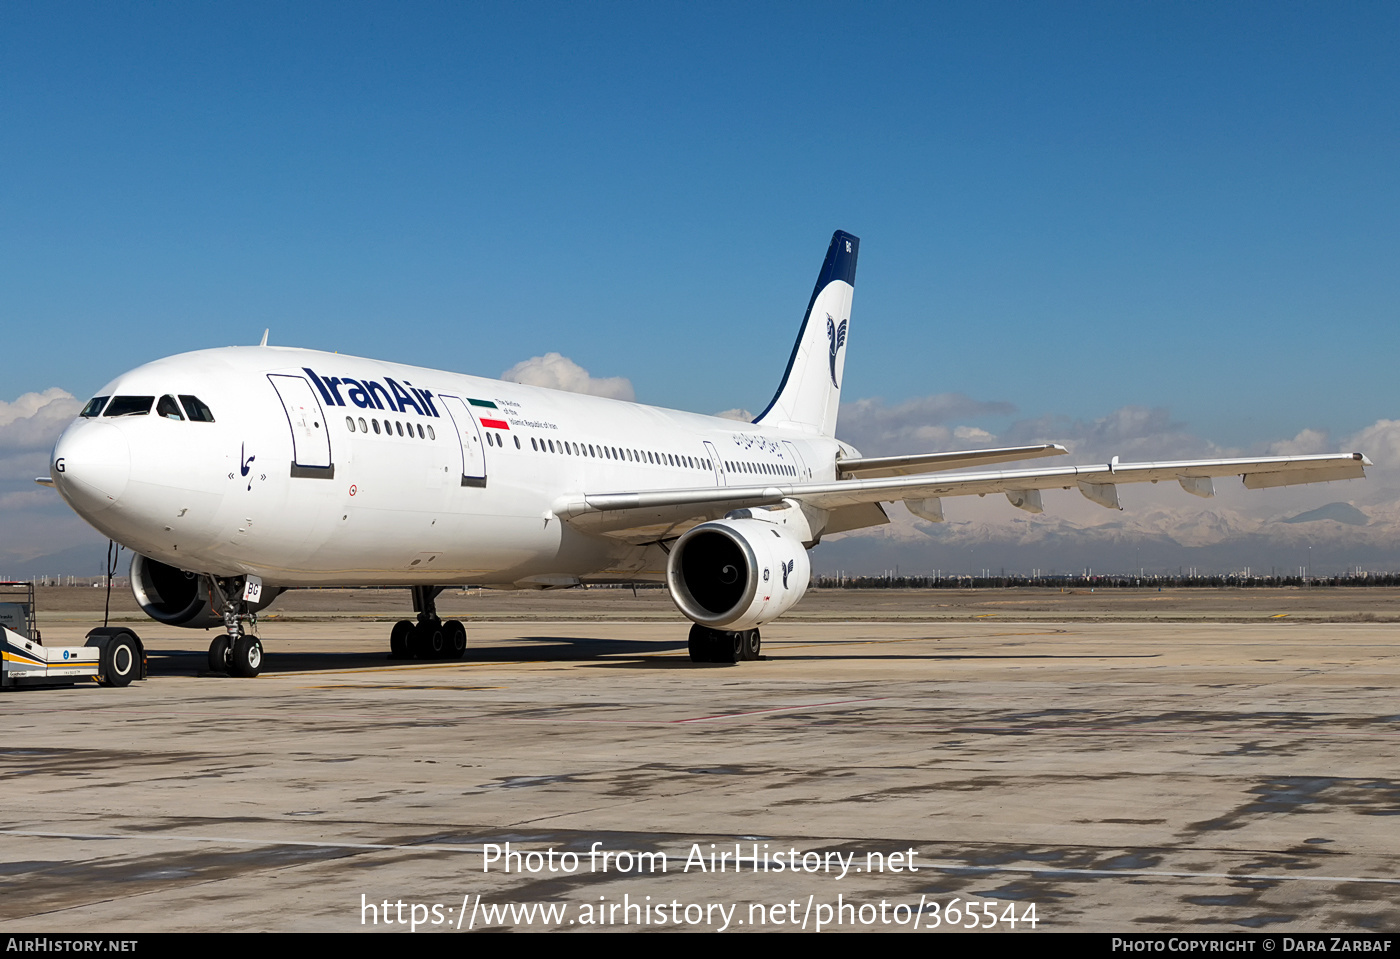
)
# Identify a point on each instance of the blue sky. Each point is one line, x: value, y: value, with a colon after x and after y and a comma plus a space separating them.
x: 1064, y: 207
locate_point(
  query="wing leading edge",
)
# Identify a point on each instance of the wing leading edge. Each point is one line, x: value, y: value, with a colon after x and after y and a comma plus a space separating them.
x: 657, y: 514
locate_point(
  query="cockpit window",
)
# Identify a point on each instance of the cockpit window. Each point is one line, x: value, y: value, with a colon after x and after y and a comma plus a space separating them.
x: 196, y: 410
x: 129, y: 406
x: 168, y: 408
x: 94, y: 406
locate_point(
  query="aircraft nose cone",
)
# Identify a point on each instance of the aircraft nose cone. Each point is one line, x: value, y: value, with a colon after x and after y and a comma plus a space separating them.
x: 91, y: 465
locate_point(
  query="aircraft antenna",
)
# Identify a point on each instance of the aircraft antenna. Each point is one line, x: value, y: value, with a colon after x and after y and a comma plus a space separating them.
x: 264, y: 339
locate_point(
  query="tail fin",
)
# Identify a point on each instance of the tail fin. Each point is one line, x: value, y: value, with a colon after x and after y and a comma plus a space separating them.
x: 810, y: 393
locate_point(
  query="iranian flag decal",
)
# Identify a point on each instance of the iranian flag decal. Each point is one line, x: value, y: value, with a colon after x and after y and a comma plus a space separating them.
x: 490, y: 424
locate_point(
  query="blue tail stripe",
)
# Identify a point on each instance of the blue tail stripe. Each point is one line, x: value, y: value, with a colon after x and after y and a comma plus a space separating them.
x: 840, y: 264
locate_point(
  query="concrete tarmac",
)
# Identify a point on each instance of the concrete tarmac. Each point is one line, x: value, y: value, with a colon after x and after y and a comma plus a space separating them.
x: 1129, y: 777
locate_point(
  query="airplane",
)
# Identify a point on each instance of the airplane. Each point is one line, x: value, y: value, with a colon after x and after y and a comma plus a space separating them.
x: 234, y: 474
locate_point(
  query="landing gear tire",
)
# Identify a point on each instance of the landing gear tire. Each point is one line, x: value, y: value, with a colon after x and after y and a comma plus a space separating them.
x: 699, y: 644
x: 218, y: 655
x: 121, y: 661
x: 456, y: 635
x: 400, y: 640
x: 246, y: 657
x: 427, y: 641
x: 729, y: 646
x: 435, y: 641
x: 750, y: 645
x: 713, y: 645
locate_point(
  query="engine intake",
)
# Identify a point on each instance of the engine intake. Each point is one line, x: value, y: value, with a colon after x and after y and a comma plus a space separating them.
x: 177, y: 597
x: 737, y: 574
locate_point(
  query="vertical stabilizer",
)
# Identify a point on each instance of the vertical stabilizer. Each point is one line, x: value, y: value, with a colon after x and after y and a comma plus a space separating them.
x: 810, y: 393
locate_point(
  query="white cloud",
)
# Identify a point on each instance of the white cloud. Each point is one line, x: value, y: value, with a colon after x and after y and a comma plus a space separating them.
x: 36, y: 521
x: 743, y: 416
x: 931, y: 423
x: 1380, y: 441
x: 34, y: 421
x: 1307, y: 441
x: 972, y: 434
x: 28, y: 428
x: 920, y: 425
x: 558, y: 372
x: 1130, y: 432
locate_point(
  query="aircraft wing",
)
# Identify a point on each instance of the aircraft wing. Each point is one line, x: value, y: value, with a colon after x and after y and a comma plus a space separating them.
x: 647, y: 516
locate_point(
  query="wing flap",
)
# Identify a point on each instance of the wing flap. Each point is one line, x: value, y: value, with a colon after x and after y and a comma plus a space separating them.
x: 1343, y: 471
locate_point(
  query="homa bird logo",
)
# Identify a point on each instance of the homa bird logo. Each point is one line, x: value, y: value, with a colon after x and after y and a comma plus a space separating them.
x: 246, y: 465
x: 787, y: 568
x: 837, y: 336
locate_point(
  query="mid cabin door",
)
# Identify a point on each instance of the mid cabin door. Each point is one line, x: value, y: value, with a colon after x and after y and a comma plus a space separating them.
x: 311, y: 440
x: 715, y: 464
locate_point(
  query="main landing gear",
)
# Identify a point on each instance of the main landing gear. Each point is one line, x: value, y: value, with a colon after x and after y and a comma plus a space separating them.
x: 723, y: 645
x: 429, y: 637
x: 238, y: 653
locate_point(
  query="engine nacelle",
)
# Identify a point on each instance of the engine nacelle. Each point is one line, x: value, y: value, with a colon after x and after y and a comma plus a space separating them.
x: 176, y: 597
x: 737, y: 574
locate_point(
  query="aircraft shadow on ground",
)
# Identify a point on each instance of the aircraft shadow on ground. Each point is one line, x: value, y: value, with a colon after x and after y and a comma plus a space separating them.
x: 562, y: 649
x: 588, y: 651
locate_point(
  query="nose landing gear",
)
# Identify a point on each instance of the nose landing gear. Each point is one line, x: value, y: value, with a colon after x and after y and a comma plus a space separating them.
x: 238, y: 653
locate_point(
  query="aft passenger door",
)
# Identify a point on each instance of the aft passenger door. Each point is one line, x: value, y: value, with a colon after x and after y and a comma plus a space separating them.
x: 311, y: 441
x: 802, y: 471
x: 469, y: 436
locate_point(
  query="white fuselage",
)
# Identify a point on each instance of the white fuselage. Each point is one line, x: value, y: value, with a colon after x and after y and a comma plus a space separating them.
x: 313, y: 471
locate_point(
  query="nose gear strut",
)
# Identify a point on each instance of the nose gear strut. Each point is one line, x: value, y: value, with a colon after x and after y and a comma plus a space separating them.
x: 238, y: 653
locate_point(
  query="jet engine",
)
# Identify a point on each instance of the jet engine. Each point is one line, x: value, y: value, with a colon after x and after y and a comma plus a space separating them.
x: 737, y: 573
x: 177, y: 597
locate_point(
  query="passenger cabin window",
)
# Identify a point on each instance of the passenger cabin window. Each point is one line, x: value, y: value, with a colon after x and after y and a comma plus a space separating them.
x: 94, y: 406
x: 168, y: 408
x: 129, y: 406
x: 196, y: 410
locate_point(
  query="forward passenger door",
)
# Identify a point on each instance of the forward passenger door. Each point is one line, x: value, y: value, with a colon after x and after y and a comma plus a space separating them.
x: 469, y: 437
